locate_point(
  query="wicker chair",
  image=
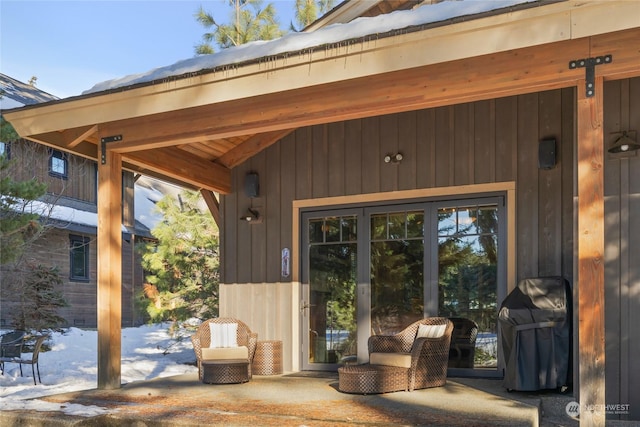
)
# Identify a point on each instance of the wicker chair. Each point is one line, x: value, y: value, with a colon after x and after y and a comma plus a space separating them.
x: 463, y: 343
x: 402, y: 362
x: 230, y: 367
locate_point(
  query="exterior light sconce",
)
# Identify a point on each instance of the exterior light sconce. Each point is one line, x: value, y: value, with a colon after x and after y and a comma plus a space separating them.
x: 393, y: 158
x: 624, y: 143
x: 252, y: 216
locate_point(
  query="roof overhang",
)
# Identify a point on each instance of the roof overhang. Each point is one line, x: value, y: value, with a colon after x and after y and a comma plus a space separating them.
x: 193, y: 129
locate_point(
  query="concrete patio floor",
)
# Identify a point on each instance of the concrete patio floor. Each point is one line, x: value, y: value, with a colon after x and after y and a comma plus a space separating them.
x: 302, y: 400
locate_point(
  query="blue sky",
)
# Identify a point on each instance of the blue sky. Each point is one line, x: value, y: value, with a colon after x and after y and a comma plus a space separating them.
x: 72, y: 45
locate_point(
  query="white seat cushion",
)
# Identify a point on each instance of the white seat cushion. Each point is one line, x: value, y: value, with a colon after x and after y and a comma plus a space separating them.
x: 225, y: 353
x: 431, y: 331
x: 401, y: 360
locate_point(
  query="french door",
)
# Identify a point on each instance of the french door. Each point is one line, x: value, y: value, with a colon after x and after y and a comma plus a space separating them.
x: 375, y: 269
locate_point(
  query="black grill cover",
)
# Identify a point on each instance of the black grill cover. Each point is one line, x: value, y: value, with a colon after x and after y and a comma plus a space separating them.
x: 535, y: 321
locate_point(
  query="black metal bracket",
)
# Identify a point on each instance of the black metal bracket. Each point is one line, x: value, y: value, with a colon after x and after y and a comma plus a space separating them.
x: 103, y: 146
x: 590, y: 65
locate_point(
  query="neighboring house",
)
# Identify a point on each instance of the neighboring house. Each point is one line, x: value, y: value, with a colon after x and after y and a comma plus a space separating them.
x: 69, y: 211
x: 378, y: 146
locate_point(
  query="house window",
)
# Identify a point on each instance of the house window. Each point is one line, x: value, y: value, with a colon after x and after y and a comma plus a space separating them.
x: 4, y: 149
x: 58, y: 164
x: 79, y: 258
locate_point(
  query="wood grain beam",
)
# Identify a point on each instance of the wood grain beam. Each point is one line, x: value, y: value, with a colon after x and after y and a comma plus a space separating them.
x: 250, y: 147
x: 109, y: 289
x: 591, y: 302
x: 78, y: 135
x: 182, y: 166
x: 213, y: 205
x: 502, y: 74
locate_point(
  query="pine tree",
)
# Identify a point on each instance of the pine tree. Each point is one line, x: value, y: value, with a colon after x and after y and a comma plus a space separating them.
x: 183, y: 265
x: 40, y: 298
x: 249, y: 22
x: 18, y: 225
x: 307, y: 11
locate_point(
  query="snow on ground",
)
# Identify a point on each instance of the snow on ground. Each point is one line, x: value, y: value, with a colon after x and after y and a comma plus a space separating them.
x: 71, y: 365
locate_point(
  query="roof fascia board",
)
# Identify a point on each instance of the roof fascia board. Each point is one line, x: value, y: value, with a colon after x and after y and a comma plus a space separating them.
x: 543, y: 25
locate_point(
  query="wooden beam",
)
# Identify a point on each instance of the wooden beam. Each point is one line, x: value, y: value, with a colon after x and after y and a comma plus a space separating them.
x: 501, y: 74
x: 185, y: 167
x: 78, y: 135
x: 250, y: 147
x: 591, y: 302
x: 213, y: 205
x: 109, y: 271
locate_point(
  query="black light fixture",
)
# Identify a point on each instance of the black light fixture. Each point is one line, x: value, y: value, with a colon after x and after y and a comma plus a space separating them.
x: 252, y: 185
x: 624, y: 143
x: 393, y: 158
x: 252, y: 216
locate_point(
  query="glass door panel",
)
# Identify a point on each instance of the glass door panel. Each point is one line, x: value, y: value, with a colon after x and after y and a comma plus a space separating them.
x: 332, y: 291
x: 397, y: 270
x: 468, y: 282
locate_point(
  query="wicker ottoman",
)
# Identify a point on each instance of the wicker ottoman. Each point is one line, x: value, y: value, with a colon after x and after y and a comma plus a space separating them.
x: 268, y: 358
x: 370, y: 379
x: 225, y: 371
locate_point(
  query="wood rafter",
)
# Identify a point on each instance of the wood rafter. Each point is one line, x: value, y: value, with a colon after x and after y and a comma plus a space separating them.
x: 180, y: 165
x: 212, y: 203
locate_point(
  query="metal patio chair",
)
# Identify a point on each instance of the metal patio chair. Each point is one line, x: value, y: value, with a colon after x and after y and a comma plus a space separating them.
x: 10, y: 346
x: 31, y: 360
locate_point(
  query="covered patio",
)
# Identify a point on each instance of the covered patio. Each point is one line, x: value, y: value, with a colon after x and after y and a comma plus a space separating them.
x: 298, y: 400
x: 303, y: 121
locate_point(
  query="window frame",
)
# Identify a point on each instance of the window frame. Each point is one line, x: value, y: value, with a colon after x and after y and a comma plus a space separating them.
x: 59, y: 155
x: 76, y: 242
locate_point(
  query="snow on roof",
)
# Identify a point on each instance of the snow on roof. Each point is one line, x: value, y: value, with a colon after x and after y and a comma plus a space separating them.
x: 295, y: 42
x: 14, y: 94
x: 147, y: 190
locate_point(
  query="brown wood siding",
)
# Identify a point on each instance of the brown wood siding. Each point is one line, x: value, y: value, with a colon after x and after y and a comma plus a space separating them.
x: 473, y: 143
x: 622, y: 240
x: 53, y: 250
x: 31, y: 160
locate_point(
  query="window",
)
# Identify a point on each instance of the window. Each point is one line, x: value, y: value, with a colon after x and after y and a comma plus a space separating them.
x: 79, y: 258
x: 5, y: 149
x: 58, y: 164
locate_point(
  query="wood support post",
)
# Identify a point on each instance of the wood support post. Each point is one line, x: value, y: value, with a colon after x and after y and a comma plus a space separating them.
x: 109, y: 270
x: 213, y: 205
x: 591, y: 256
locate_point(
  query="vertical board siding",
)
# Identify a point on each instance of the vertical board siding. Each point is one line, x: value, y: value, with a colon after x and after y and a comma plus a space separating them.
x: 550, y: 189
x: 622, y: 240
x: 527, y: 185
x: 472, y: 143
x: 353, y: 157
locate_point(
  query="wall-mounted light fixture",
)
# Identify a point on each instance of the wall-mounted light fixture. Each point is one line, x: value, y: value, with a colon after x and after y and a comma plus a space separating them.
x: 252, y: 216
x: 393, y: 158
x: 624, y: 143
x: 252, y: 185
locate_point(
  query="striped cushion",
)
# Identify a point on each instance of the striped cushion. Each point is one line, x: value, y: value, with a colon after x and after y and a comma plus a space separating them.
x: 223, y: 335
x: 431, y: 331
